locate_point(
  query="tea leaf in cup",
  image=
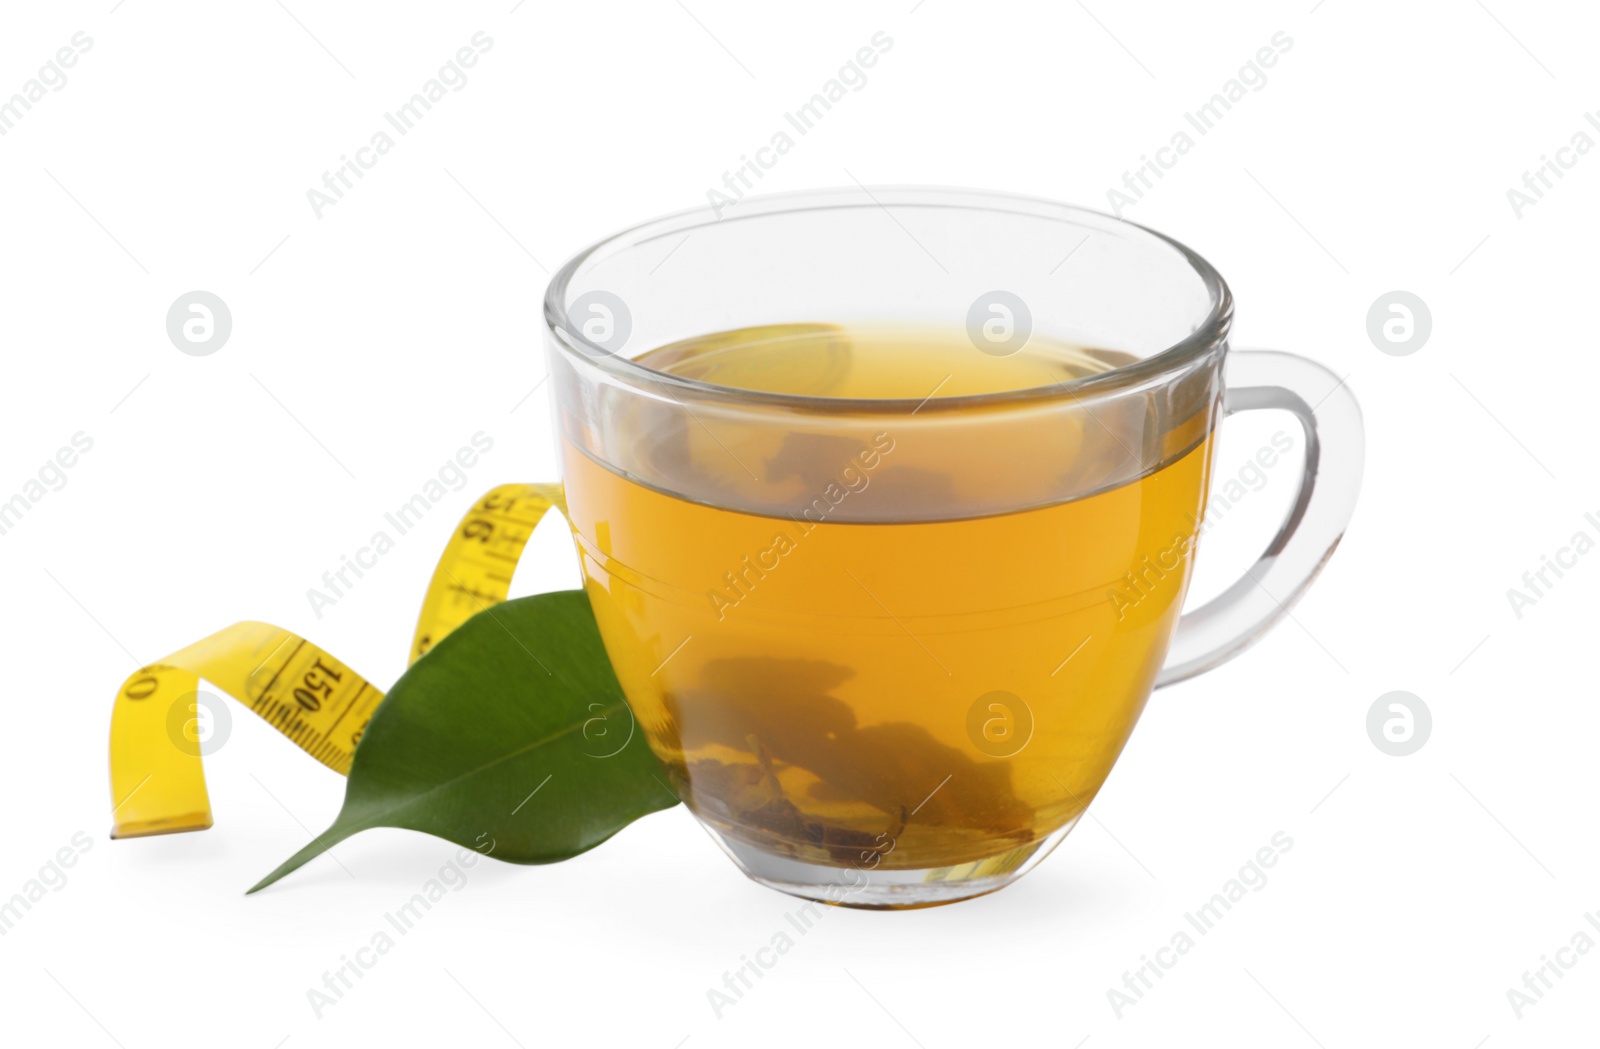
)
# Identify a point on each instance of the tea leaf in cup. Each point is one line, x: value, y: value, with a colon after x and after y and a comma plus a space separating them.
x: 511, y: 737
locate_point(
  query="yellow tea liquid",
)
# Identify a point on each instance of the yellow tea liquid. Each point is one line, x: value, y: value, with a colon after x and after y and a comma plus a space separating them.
x: 876, y: 692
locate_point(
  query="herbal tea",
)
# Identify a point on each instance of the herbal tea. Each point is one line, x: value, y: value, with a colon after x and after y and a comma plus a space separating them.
x: 877, y: 670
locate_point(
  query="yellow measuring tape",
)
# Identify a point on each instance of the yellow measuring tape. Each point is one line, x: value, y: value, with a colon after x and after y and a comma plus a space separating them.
x: 319, y: 703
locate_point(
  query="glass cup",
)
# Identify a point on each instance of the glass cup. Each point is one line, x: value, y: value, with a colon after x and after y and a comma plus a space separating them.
x: 889, y: 647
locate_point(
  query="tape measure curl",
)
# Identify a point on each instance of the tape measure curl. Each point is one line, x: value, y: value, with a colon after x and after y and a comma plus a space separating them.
x: 157, y: 781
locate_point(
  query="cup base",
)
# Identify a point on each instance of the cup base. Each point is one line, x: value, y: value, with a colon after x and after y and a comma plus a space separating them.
x: 881, y: 889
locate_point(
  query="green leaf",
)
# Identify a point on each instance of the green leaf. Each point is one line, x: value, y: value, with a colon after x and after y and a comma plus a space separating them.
x: 510, y: 737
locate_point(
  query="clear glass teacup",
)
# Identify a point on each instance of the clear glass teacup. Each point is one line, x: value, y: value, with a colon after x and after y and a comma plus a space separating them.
x: 886, y: 502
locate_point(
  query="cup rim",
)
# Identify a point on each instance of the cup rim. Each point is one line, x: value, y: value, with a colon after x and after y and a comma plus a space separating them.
x: 1208, y: 335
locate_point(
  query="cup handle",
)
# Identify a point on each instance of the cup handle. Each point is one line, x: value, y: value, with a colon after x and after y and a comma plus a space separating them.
x: 1238, y: 617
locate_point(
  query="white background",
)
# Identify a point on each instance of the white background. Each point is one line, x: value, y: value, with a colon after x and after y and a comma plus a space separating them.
x: 370, y: 343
